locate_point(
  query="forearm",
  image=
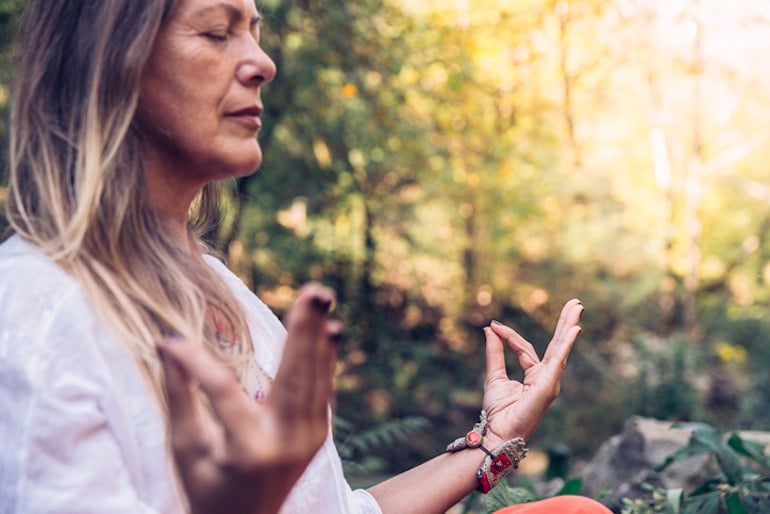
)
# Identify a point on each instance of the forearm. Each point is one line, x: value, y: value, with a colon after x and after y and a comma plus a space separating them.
x: 432, y: 487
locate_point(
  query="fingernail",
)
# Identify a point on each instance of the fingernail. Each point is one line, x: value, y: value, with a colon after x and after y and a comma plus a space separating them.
x: 171, y: 337
x: 495, y: 322
x: 337, y: 337
x: 322, y: 304
x: 337, y: 333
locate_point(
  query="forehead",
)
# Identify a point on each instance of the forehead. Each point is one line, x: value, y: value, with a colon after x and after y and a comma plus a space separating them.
x: 240, y: 8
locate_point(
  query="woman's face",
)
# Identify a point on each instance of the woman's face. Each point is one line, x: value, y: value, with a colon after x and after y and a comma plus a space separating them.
x: 200, y: 102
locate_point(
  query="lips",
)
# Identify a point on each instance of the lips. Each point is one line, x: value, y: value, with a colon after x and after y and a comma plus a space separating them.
x: 249, y: 117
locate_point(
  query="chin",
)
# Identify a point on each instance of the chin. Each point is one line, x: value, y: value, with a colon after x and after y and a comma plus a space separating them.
x: 248, y: 164
x: 247, y: 172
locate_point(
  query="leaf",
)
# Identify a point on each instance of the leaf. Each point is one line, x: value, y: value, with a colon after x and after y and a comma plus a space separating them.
x: 707, y: 504
x: 751, y: 449
x: 674, y: 499
x: 695, y: 425
x: 504, y: 495
x: 705, y: 439
x: 706, y: 487
x: 683, y: 453
x: 572, y: 486
x: 756, y: 503
x: 734, y: 504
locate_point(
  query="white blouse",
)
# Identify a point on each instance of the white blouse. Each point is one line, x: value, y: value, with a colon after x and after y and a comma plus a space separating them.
x: 79, y: 433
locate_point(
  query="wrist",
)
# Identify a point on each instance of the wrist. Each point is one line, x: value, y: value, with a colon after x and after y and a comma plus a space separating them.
x: 493, y: 439
x: 501, y: 455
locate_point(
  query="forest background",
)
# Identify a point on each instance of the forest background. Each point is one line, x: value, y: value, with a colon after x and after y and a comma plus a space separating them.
x: 445, y: 163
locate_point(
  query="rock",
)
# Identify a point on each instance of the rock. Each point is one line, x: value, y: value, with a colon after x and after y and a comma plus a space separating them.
x: 628, y: 460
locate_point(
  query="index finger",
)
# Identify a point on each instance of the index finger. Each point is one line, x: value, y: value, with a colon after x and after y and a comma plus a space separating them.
x: 495, y: 355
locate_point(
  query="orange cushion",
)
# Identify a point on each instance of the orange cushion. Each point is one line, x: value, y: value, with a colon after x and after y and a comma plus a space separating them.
x: 558, y: 504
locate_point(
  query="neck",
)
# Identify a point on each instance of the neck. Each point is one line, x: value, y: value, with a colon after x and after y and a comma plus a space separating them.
x: 170, y: 194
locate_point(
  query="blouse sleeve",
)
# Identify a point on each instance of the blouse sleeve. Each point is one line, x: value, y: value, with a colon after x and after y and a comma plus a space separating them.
x: 57, y: 453
x: 364, y: 503
x: 63, y: 444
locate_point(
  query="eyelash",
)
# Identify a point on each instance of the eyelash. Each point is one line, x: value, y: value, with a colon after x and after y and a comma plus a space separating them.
x: 216, y: 36
x: 220, y: 36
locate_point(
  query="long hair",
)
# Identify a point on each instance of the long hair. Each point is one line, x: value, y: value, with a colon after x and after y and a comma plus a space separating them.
x: 77, y: 186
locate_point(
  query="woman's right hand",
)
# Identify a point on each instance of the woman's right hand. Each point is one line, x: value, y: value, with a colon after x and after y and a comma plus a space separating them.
x: 247, y: 459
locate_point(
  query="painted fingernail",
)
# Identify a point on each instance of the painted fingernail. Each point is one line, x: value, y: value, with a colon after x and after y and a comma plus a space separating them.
x: 337, y: 337
x: 322, y: 304
x: 337, y: 332
x: 171, y: 337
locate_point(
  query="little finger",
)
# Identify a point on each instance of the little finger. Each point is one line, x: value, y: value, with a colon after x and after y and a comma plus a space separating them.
x: 232, y: 407
x: 569, y: 316
x: 185, y: 429
x: 567, y: 329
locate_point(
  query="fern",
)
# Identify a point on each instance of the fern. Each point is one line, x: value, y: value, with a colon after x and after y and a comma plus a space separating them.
x: 364, y: 452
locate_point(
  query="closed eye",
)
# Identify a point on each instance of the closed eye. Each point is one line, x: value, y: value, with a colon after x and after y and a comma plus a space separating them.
x: 219, y: 37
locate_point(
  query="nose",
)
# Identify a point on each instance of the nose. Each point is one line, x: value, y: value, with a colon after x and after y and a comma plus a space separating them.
x: 257, y: 68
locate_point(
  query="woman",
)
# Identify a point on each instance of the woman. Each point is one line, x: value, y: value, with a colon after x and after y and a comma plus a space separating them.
x: 117, y: 325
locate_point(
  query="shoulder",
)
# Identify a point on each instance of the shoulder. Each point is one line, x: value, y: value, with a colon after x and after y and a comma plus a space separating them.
x: 33, y: 286
x: 23, y: 264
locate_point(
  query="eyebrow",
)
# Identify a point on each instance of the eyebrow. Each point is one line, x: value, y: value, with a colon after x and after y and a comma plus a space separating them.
x: 233, y: 13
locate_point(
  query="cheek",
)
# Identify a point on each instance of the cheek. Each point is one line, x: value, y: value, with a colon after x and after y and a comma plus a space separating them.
x: 176, y: 108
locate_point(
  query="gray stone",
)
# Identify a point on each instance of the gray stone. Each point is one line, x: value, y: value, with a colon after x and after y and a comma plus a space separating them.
x: 628, y: 460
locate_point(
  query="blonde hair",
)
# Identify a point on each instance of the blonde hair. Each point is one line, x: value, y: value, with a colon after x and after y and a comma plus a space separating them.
x: 77, y: 182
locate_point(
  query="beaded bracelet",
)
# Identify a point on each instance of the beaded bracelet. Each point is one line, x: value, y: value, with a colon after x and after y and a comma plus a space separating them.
x: 498, y: 462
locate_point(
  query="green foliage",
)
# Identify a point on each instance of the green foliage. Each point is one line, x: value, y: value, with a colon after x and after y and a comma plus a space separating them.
x: 749, y: 330
x: 665, y: 388
x: 523, y: 491
x: 742, y: 485
x: 658, y: 502
x: 505, y: 494
x: 10, y: 10
x: 366, y: 452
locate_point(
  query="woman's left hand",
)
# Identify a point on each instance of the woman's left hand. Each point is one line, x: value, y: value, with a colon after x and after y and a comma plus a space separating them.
x: 514, y: 409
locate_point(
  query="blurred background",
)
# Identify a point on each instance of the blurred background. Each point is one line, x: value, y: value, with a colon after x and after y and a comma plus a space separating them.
x: 445, y: 163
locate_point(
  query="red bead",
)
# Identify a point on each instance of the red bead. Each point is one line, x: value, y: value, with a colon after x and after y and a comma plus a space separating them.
x: 473, y: 437
x: 500, y: 464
